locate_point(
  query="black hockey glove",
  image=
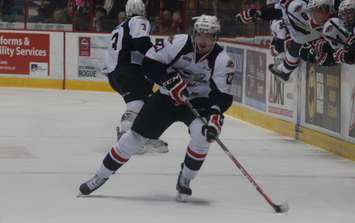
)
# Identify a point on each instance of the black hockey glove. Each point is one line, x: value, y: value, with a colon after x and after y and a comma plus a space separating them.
x: 176, y: 87
x: 350, y: 44
x: 215, y: 122
x: 247, y: 16
x: 307, y: 53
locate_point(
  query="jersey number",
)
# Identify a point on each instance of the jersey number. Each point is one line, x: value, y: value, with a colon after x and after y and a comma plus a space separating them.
x: 229, y: 78
x: 115, y: 40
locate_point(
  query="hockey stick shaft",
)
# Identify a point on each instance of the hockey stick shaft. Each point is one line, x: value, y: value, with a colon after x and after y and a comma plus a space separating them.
x: 236, y: 162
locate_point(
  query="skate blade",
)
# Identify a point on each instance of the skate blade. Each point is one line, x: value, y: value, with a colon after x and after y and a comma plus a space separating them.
x: 182, y: 197
x: 81, y: 195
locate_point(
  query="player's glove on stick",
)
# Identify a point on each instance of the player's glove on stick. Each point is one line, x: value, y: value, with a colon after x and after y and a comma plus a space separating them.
x: 247, y: 16
x: 176, y: 87
x: 213, y: 129
x: 350, y: 44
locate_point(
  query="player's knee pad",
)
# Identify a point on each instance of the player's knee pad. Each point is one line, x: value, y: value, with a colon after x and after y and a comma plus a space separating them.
x: 198, y: 141
x: 130, y: 143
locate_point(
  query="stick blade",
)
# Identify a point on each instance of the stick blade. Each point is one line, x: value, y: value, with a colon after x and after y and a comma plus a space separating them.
x: 281, y: 208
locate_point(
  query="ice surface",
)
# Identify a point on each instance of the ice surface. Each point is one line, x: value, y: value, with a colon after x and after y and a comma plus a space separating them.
x: 51, y: 141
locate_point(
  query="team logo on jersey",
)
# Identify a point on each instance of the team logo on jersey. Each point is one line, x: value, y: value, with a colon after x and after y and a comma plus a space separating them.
x: 298, y: 8
x: 230, y: 64
x: 194, y: 79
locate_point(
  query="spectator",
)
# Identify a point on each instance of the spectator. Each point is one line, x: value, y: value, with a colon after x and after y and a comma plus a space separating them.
x: 108, y: 4
x: 60, y: 17
x: 99, y: 24
x: 45, y: 11
x: 173, y: 5
x: 166, y: 22
x: 99, y: 13
x: 7, y: 10
x: 176, y: 26
x: 155, y: 25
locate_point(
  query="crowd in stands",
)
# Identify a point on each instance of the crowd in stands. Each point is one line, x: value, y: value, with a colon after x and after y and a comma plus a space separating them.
x: 92, y: 15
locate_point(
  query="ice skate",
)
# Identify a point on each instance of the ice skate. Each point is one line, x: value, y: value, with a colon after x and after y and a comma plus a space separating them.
x: 91, y: 185
x: 283, y: 77
x: 183, y: 187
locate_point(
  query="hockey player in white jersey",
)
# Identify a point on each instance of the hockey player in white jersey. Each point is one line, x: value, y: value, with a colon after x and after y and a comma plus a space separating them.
x: 130, y: 41
x: 340, y: 33
x: 280, y: 39
x: 193, y: 68
x: 304, y: 22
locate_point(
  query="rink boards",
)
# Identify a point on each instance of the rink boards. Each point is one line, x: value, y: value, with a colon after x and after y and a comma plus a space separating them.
x: 317, y: 106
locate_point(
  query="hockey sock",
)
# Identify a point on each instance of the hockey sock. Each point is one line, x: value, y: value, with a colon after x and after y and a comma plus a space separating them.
x: 192, y: 163
x: 114, y: 160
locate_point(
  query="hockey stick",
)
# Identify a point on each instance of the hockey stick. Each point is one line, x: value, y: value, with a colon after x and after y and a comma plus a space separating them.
x: 279, y: 208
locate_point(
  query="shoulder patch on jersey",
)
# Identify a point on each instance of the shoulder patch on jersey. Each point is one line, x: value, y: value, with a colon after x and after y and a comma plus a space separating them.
x: 329, y: 29
x: 298, y: 8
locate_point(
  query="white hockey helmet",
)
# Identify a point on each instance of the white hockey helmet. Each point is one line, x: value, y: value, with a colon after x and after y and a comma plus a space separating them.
x: 312, y: 4
x: 207, y: 24
x: 135, y: 7
x: 346, y: 12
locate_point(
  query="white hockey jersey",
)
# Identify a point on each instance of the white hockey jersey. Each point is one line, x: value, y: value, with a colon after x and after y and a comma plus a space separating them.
x: 122, y: 50
x: 203, y: 75
x: 278, y: 29
x: 298, y: 21
x: 335, y: 33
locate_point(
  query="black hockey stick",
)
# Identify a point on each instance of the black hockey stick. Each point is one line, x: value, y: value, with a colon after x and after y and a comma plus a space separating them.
x: 279, y: 208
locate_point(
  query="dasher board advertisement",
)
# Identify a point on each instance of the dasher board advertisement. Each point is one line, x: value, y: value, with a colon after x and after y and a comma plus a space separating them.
x: 237, y: 56
x: 282, y: 97
x: 24, y: 54
x: 255, y: 80
x: 323, y: 101
x: 92, y: 52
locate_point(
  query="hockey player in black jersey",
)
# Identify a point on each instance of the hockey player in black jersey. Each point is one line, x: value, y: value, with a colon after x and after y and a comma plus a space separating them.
x: 130, y: 41
x: 189, y: 67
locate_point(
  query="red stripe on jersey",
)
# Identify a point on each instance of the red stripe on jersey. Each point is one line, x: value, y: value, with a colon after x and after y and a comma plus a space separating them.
x: 118, y: 157
x: 195, y: 154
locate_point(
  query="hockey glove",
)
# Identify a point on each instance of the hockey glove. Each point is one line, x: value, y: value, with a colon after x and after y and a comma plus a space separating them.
x: 176, y: 87
x: 339, y: 55
x: 307, y: 53
x: 247, y: 16
x: 213, y: 129
x: 350, y: 44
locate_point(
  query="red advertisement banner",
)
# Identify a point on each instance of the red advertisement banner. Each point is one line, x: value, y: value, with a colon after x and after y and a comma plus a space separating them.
x: 24, y: 53
x: 84, y: 46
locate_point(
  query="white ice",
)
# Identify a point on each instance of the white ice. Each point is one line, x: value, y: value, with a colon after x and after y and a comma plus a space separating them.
x: 52, y: 140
